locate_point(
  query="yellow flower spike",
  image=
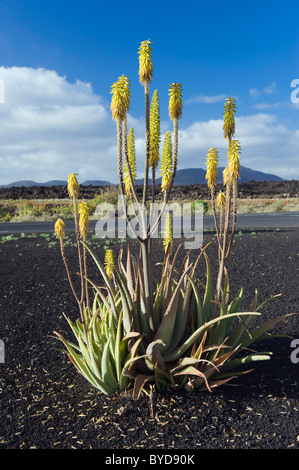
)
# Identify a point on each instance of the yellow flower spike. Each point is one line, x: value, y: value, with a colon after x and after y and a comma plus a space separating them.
x: 234, y: 151
x: 168, y: 233
x: 175, y: 101
x: 84, y: 219
x: 154, y: 131
x: 166, y: 162
x: 226, y: 179
x: 73, y: 186
x: 125, y: 90
x: 118, y: 104
x: 132, y: 162
x: 109, y: 263
x: 221, y: 200
x: 145, y: 62
x: 212, y: 162
x: 229, y: 119
x: 60, y: 228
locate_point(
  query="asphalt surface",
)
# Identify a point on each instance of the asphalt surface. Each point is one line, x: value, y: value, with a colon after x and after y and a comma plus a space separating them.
x: 277, y: 220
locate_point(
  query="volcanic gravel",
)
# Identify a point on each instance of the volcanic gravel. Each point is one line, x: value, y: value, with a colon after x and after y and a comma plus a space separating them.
x: 250, y: 189
x: 46, y: 404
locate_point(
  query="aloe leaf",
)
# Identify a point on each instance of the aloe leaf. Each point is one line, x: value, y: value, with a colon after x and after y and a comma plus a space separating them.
x: 102, y: 270
x: 143, y: 317
x: 82, y: 368
x: 233, y: 308
x: 112, y: 333
x: 73, y: 326
x: 236, y: 334
x: 267, y: 300
x: 130, y: 272
x: 222, y: 330
x: 139, y: 383
x: 165, y: 330
x: 259, y: 331
x: 193, y: 371
x: 226, y: 286
x: 85, y: 353
x: 112, y: 304
x: 127, y: 318
x: 197, y: 354
x: 106, y: 368
x: 215, y: 383
x: 184, y: 362
x: 95, y: 329
x: 117, y: 349
x: 232, y: 374
x: 206, y: 306
x: 199, y: 313
x: 154, y: 354
x: 169, y: 284
x: 182, y: 317
x: 234, y: 363
x: 178, y: 352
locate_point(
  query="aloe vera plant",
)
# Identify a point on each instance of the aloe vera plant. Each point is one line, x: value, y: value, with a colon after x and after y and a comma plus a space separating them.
x: 179, y: 331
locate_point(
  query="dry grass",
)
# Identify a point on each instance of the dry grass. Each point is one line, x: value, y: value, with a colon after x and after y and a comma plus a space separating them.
x: 50, y: 209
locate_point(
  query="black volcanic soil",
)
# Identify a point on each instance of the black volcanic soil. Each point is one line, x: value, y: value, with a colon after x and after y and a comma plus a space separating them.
x: 46, y: 404
x: 251, y: 189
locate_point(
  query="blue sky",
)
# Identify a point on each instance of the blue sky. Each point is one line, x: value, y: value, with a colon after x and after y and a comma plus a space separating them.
x: 59, y: 59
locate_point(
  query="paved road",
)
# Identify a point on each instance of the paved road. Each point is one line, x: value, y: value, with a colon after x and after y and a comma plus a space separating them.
x: 277, y: 220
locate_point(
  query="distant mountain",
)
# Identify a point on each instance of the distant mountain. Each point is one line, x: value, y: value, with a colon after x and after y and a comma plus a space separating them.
x: 29, y: 183
x: 198, y: 176
x: 96, y: 183
x: 183, y: 177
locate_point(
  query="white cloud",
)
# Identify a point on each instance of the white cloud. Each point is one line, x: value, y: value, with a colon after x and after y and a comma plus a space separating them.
x: 206, y: 99
x: 51, y: 128
x: 262, y: 106
x: 266, y: 144
x: 254, y: 92
x: 268, y: 90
